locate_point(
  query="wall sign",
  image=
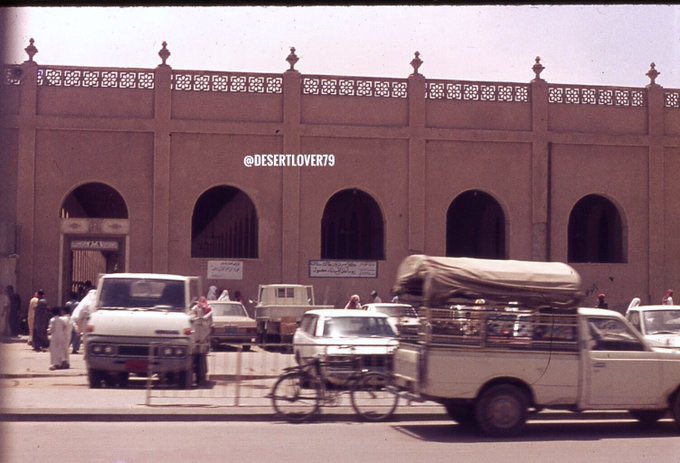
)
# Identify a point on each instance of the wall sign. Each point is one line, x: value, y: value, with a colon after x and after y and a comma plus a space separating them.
x: 225, y: 270
x: 97, y: 245
x: 343, y: 268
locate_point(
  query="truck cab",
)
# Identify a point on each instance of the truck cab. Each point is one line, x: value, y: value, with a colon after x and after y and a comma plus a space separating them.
x: 143, y: 325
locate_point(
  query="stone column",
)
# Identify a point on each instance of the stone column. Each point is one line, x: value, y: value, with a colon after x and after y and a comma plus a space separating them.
x: 416, y: 160
x: 161, y: 165
x: 540, y: 169
x: 27, y: 122
x: 657, y: 234
x: 290, y: 181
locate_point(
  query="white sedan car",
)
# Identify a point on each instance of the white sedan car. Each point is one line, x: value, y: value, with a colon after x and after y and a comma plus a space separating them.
x: 403, y: 318
x: 659, y: 324
x: 232, y: 325
x: 343, y: 337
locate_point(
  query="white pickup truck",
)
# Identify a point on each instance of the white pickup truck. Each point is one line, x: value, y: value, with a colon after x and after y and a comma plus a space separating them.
x: 143, y: 324
x: 504, y: 339
x: 280, y: 308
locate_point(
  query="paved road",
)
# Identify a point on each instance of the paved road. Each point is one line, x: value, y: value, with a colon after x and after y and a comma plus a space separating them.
x: 332, y: 441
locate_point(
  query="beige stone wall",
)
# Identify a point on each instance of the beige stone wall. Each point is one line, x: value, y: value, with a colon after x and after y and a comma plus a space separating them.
x: 161, y: 138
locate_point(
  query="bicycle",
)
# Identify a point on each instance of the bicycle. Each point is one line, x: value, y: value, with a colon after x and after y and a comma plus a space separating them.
x: 300, y: 391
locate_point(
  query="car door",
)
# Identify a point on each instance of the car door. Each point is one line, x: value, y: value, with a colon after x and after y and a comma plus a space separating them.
x: 619, y: 368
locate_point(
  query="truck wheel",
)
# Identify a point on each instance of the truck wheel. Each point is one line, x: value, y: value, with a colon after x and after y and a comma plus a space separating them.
x: 463, y: 414
x: 647, y: 417
x: 502, y: 411
x: 95, y: 378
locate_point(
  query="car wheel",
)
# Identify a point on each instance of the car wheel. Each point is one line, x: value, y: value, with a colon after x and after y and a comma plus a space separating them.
x: 95, y: 378
x: 502, y: 410
x: 463, y: 414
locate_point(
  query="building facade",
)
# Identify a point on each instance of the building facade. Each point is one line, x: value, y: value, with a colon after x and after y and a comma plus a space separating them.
x: 250, y: 178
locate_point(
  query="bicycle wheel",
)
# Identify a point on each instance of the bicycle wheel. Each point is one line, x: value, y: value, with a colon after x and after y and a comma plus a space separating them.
x: 372, y: 397
x: 295, y: 396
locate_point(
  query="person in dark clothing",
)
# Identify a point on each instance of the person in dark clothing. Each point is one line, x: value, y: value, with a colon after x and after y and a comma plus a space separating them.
x: 14, y: 310
x: 42, y: 318
x: 601, y: 303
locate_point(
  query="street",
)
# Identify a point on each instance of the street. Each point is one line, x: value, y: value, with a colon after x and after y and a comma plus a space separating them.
x: 330, y: 441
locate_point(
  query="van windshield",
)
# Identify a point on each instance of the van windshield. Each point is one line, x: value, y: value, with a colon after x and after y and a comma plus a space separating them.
x: 123, y: 293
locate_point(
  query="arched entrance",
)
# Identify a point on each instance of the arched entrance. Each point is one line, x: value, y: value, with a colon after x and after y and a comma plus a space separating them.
x: 94, y: 231
x: 595, y: 231
x: 224, y: 224
x: 475, y: 227
x: 352, y: 227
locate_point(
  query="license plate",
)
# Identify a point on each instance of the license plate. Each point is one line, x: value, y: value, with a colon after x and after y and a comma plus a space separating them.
x: 137, y: 365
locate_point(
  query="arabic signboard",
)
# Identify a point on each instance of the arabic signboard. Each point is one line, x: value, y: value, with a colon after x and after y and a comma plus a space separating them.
x: 96, y: 245
x: 225, y: 270
x: 343, y: 268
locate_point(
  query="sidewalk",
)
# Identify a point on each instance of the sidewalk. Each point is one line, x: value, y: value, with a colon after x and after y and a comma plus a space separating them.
x: 29, y: 391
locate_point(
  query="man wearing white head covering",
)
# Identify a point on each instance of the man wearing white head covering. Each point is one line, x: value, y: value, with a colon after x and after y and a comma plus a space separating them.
x: 83, y: 310
x: 224, y: 296
x: 212, y: 293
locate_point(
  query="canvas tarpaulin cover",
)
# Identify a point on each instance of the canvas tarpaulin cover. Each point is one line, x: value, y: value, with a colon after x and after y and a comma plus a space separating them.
x: 436, y: 280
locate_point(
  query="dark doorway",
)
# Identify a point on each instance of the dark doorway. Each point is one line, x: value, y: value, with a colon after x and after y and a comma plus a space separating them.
x: 475, y: 227
x: 224, y: 225
x: 352, y: 227
x: 595, y: 231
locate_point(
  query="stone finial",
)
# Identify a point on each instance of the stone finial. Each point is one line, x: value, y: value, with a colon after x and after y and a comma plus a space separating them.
x: 652, y: 74
x: 538, y: 68
x: 31, y: 50
x: 416, y: 62
x: 164, y: 53
x: 292, y: 58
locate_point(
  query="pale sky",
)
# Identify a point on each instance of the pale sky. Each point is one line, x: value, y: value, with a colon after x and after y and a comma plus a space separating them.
x: 578, y: 44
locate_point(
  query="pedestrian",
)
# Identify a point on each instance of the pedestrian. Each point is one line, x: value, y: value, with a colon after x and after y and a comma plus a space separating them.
x: 201, y: 308
x: 212, y: 293
x: 59, y: 330
x: 69, y: 308
x: 667, y: 297
x: 40, y: 323
x: 4, y: 315
x: 238, y: 296
x: 81, y: 313
x: 375, y: 299
x: 30, y: 317
x: 395, y: 299
x: 601, y: 302
x: 354, y: 302
x: 635, y: 302
x: 224, y: 296
x: 14, y: 310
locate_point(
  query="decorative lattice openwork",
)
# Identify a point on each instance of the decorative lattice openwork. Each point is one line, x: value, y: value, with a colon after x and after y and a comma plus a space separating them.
x: 672, y: 99
x: 226, y: 82
x: 11, y: 75
x: 95, y: 78
x: 352, y: 86
x: 473, y: 91
x: 605, y: 96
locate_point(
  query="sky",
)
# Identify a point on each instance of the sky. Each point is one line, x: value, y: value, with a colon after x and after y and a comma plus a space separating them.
x: 578, y: 44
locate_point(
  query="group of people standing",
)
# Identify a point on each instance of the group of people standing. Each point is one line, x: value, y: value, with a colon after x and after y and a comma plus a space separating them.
x: 667, y: 299
x: 354, y: 301
x: 56, y: 329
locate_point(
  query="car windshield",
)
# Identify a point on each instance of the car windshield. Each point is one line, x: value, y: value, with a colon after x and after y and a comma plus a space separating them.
x: 357, y: 326
x: 397, y: 311
x: 228, y: 310
x: 129, y: 293
x: 661, y: 321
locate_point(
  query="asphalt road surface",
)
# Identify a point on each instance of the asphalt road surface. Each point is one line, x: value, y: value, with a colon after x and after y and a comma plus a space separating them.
x: 330, y: 441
